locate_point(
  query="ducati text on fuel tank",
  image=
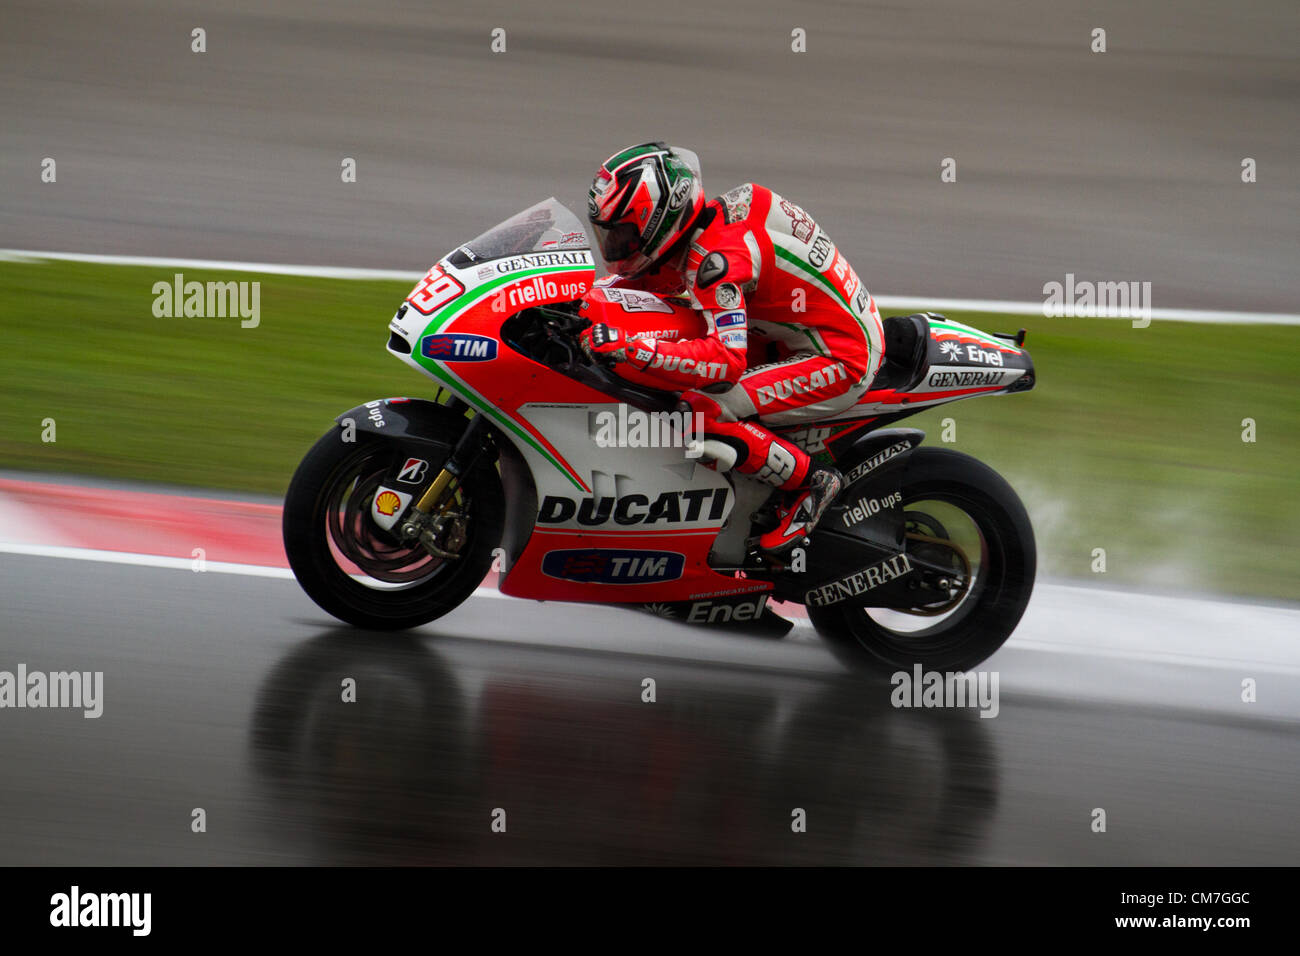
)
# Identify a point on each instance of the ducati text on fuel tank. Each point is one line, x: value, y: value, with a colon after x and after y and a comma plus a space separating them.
x: 671, y: 507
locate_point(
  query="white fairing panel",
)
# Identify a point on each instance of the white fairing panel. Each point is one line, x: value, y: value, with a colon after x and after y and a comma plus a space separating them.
x: 632, y: 488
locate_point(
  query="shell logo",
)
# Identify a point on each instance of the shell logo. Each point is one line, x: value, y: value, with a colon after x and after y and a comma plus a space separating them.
x: 388, y: 503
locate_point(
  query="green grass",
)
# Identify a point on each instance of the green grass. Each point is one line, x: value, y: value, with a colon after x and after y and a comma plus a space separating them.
x: 185, y: 400
x: 1131, y: 442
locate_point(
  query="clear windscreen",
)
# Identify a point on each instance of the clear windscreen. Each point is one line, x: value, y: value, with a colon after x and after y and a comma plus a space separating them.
x: 545, y: 227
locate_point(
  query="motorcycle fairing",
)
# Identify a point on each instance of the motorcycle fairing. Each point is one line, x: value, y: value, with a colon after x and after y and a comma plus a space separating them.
x: 655, y: 500
x: 462, y: 302
x: 935, y: 360
x: 638, y: 525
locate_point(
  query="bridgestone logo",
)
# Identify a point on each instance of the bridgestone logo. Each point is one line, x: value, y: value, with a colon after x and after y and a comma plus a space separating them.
x: 876, y: 460
x: 867, y: 579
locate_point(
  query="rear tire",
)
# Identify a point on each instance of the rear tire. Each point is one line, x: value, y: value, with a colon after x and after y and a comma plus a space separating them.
x: 970, y: 633
x: 323, y: 480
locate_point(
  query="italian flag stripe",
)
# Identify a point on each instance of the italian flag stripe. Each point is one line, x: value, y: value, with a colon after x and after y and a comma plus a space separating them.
x: 444, y: 316
x: 806, y: 268
x: 459, y: 305
x: 959, y: 329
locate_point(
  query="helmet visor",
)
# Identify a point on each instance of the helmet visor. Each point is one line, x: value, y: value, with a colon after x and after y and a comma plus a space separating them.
x: 617, y: 241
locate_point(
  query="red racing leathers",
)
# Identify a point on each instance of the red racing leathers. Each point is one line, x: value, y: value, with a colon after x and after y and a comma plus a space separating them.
x: 793, y: 335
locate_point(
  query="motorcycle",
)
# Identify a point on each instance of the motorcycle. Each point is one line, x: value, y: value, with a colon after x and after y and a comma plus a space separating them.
x: 399, y: 512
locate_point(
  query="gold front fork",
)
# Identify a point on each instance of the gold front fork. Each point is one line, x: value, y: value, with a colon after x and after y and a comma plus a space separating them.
x: 434, y: 492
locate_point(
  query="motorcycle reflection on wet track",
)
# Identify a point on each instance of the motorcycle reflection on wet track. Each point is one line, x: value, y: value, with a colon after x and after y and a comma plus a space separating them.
x: 439, y: 740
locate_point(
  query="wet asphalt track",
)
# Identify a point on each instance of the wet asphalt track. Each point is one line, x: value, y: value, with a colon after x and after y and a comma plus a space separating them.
x: 224, y: 692
x: 1116, y: 166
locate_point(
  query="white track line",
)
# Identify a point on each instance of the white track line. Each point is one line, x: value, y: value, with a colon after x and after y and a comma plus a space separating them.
x: 1036, y: 308
x: 1154, y: 657
x: 884, y: 301
x: 144, y: 560
x: 164, y: 561
x: 1144, y: 655
x: 266, y: 268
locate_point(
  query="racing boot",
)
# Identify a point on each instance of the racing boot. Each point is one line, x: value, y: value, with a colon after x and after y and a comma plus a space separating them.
x: 800, y: 512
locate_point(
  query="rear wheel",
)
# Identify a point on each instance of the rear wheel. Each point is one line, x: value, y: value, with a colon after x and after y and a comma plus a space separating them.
x: 365, y: 575
x: 962, y: 515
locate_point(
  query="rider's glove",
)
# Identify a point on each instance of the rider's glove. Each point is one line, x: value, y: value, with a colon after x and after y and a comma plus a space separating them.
x: 611, y: 344
x: 604, y: 342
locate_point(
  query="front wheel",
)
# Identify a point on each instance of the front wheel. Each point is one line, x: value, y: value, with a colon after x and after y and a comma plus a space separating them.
x: 365, y: 575
x: 957, y: 509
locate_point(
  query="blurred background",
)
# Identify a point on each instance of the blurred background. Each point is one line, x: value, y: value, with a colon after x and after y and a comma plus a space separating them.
x: 1123, y: 165
x: 1117, y: 166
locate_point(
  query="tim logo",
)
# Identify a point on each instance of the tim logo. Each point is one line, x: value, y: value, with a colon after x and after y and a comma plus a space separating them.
x: 614, y: 566
x: 458, y: 347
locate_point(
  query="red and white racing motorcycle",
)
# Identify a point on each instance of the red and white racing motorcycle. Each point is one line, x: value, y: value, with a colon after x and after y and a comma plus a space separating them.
x: 398, y: 513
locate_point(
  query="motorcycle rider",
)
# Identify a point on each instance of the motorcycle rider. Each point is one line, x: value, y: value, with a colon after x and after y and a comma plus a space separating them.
x: 771, y: 287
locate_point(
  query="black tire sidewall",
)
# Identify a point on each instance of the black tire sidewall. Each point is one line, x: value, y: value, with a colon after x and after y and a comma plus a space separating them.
x: 862, y: 644
x: 307, y: 546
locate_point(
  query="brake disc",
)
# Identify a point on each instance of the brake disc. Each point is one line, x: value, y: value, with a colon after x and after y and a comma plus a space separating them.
x: 956, y: 590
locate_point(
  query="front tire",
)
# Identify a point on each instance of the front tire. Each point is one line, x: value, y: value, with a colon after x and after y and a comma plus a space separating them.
x: 362, y: 574
x: 939, y: 487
